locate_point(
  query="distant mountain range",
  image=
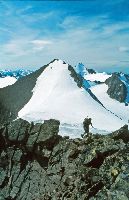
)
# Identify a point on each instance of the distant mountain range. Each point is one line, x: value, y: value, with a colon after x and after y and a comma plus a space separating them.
x: 14, y: 73
x: 9, y: 77
x: 69, y: 94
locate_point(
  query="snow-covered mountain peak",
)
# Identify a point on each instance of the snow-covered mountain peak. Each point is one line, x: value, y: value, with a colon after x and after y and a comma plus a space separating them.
x: 57, y: 95
x: 57, y: 91
x: 58, y: 63
x: 90, y: 74
x: 57, y: 60
x: 81, y: 69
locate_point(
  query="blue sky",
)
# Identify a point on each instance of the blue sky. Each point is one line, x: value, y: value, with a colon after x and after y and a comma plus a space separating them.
x: 95, y: 32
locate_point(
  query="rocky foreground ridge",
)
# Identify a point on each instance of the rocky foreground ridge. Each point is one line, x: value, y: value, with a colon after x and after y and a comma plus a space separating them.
x: 38, y: 164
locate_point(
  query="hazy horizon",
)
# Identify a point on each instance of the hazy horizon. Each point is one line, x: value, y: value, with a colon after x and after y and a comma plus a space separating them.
x: 108, y: 70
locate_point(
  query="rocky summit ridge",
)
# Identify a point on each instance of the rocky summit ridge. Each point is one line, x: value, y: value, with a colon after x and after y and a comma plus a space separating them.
x: 37, y: 163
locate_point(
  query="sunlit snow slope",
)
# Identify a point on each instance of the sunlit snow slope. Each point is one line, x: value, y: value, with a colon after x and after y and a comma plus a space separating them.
x: 97, y: 77
x: 56, y: 95
x: 4, y: 82
x: 115, y: 106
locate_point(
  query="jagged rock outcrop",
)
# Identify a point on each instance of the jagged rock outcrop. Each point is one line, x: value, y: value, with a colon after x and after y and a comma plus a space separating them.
x: 36, y: 163
x: 91, y: 71
x: 122, y: 133
x: 116, y: 88
x: 77, y: 77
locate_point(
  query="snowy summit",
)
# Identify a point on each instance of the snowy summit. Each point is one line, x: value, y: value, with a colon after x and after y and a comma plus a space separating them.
x: 56, y: 95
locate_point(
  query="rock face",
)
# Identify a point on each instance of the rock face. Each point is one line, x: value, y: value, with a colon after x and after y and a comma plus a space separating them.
x: 37, y: 163
x: 91, y: 71
x: 116, y: 88
x: 77, y: 77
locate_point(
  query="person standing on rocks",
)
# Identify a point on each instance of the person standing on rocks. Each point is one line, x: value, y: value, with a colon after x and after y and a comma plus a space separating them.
x: 86, y: 123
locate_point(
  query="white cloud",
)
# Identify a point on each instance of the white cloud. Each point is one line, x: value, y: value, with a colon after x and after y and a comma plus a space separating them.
x: 70, y: 22
x: 124, y: 49
x: 36, y: 17
x: 75, y: 45
x: 15, y: 48
x: 24, y: 10
x: 110, y: 29
x: 40, y: 44
x: 23, y: 47
x: 94, y: 41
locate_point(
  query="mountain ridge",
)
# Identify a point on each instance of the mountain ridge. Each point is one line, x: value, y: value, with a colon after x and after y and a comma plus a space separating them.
x: 63, y: 95
x: 61, y: 92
